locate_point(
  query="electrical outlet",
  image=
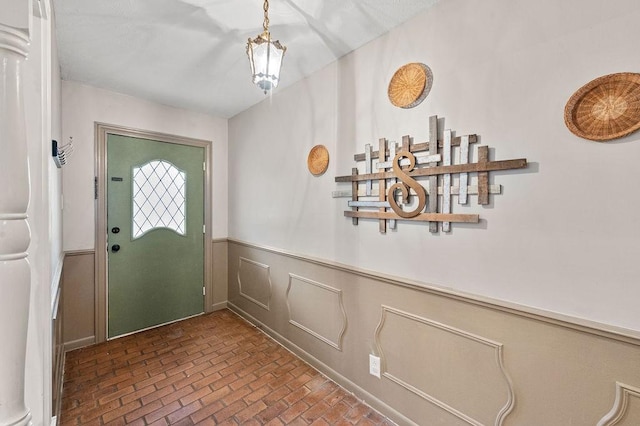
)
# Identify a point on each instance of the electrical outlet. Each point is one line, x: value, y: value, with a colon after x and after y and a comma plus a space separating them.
x: 374, y: 365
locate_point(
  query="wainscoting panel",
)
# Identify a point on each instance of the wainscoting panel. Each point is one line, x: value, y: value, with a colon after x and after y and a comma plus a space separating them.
x: 317, y: 309
x: 626, y: 407
x: 78, y: 302
x: 254, y: 282
x: 459, y: 372
x: 219, y: 277
x: 449, y: 359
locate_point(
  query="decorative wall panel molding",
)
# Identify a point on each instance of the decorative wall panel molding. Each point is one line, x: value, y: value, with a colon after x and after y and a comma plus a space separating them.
x: 622, y: 413
x: 397, y: 168
x: 564, y: 321
x: 317, y: 309
x: 517, y: 341
x: 457, y: 366
x: 254, y: 281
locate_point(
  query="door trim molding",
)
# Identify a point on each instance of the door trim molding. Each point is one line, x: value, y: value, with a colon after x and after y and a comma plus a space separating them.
x: 102, y: 131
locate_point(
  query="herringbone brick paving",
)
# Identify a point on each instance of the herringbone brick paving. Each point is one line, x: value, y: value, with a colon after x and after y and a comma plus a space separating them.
x: 214, y: 369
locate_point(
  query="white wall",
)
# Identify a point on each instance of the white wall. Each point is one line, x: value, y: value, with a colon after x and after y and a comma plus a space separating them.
x: 55, y: 174
x: 564, y: 234
x: 82, y: 106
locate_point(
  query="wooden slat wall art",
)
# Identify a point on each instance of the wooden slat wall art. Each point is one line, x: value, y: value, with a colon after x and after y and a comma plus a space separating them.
x: 354, y: 192
x: 464, y: 177
x: 433, y: 180
x: 400, y: 196
x: 446, y: 179
x: 382, y: 184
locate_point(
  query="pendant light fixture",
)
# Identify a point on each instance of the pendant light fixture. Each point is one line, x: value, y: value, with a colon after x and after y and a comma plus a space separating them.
x: 265, y: 56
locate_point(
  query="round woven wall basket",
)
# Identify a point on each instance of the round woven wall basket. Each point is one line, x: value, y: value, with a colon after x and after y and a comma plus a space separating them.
x: 410, y: 85
x: 318, y: 160
x: 605, y: 108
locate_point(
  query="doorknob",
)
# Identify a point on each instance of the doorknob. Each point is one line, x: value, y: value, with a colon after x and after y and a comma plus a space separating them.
x: 115, y: 229
x: 115, y: 248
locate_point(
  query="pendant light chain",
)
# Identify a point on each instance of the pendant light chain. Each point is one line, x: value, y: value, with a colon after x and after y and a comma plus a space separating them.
x: 265, y: 25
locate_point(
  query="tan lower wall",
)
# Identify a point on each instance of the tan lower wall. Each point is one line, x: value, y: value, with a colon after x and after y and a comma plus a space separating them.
x: 78, y: 302
x: 220, y: 275
x: 447, y: 359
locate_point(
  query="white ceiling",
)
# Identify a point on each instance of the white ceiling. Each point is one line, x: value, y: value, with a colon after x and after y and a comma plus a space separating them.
x: 191, y: 53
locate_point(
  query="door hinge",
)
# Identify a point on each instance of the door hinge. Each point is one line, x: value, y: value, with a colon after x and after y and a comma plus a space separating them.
x: 204, y: 166
x: 204, y: 229
x: 95, y: 188
x: 204, y: 291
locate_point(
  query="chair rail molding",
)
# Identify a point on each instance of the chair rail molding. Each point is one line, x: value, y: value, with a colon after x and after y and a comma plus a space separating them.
x: 15, y: 235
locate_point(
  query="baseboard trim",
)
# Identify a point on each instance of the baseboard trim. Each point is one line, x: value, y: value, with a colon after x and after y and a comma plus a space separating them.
x: 85, y: 252
x: 218, y: 306
x: 79, y: 343
x: 352, y: 387
x: 219, y: 240
x: 579, y: 324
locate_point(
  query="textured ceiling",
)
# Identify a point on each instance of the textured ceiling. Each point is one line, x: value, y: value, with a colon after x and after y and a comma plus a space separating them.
x: 191, y: 53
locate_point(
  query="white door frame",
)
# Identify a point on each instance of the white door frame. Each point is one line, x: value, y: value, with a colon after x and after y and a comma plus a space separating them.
x: 102, y: 131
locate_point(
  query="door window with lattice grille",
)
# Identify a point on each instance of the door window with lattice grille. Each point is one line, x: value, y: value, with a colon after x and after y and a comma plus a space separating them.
x: 159, y: 199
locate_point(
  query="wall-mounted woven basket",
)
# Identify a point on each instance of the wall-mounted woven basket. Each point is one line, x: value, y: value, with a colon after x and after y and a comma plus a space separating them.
x: 410, y: 85
x: 318, y: 160
x: 605, y: 108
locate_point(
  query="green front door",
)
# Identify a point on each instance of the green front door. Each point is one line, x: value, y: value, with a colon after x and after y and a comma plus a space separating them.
x: 155, y: 222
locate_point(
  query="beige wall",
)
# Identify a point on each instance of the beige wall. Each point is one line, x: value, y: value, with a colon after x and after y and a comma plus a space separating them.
x: 448, y: 359
x: 562, y: 236
x: 82, y: 106
x: 560, y: 241
x: 513, y: 320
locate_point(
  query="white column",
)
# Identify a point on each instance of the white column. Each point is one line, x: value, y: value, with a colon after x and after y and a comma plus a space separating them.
x: 15, y: 272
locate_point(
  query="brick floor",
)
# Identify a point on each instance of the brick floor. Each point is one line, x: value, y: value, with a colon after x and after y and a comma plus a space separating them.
x: 215, y: 369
